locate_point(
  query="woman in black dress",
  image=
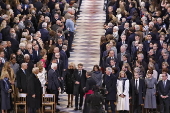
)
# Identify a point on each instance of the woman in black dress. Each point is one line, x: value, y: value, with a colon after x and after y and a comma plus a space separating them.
x: 6, y: 90
x: 69, y: 84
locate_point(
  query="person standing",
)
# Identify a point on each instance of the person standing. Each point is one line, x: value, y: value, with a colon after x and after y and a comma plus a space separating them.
x: 22, y: 78
x: 97, y: 75
x: 6, y: 90
x: 137, y: 92
x: 34, y: 92
x: 123, y: 93
x: 53, y: 82
x: 88, y: 90
x: 69, y: 84
x: 110, y: 82
x: 163, y: 90
x: 150, y: 97
x: 79, y: 83
x: 96, y: 101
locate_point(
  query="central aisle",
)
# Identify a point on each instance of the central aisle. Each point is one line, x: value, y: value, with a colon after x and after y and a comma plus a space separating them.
x: 86, y: 42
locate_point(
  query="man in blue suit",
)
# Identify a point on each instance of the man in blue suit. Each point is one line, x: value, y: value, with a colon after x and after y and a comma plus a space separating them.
x: 53, y: 82
x: 44, y: 32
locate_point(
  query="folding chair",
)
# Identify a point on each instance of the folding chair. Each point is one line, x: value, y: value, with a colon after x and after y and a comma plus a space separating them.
x: 21, y: 100
x: 48, y: 100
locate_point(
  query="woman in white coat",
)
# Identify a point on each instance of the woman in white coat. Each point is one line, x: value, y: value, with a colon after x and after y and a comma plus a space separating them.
x: 123, y: 93
x: 42, y: 75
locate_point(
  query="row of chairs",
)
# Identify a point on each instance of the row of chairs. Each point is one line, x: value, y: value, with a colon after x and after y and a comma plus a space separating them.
x: 47, y: 100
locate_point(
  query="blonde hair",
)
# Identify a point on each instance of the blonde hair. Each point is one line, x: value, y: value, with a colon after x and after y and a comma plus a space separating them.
x: 4, y: 74
x: 72, y: 64
x: 123, y: 73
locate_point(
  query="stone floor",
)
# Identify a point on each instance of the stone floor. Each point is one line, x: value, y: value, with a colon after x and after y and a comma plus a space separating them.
x: 86, y: 42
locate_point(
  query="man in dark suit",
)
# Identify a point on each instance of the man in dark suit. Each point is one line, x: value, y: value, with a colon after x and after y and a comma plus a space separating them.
x: 4, y: 46
x: 123, y: 41
x: 123, y: 51
x: 79, y: 83
x: 59, y: 43
x: 137, y: 92
x: 53, y: 82
x: 34, y: 92
x: 131, y: 38
x: 90, y: 83
x: 164, y: 93
x: 110, y: 82
x: 147, y: 42
x: 22, y: 78
x: 124, y: 60
x: 109, y: 30
x: 161, y: 41
x: 165, y: 58
x: 44, y: 32
x: 36, y: 54
x: 156, y: 51
x: 110, y: 57
x: 64, y: 56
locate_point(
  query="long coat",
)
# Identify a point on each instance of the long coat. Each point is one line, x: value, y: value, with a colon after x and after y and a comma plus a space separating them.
x: 110, y: 83
x: 123, y: 103
x: 78, y: 88
x: 141, y: 90
x: 22, y: 80
x: 5, y: 96
x: 34, y: 87
x: 69, y: 81
x: 150, y: 97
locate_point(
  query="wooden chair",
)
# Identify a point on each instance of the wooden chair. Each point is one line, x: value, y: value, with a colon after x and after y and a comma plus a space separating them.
x: 48, y: 100
x: 21, y: 100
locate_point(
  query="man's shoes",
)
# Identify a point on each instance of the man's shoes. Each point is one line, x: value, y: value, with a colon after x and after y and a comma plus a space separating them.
x: 75, y: 109
x: 62, y: 91
x: 57, y: 110
x: 58, y: 104
x: 80, y: 108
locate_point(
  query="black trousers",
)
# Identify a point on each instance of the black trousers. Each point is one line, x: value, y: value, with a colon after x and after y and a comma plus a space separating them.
x: 86, y: 108
x: 81, y: 100
x: 56, y: 94
x: 70, y: 40
x: 111, y: 104
x: 136, y: 107
x: 164, y: 105
x: 31, y: 110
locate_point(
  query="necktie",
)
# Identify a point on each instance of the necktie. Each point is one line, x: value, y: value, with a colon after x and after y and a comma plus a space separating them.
x: 136, y: 85
x: 164, y: 84
x: 24, y: 71
x: 79, y: 73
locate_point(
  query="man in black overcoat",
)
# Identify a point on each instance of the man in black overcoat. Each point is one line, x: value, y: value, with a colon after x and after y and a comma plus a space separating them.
x: 137, y: 92
x: 22, y: 78
x: 90, y: 83
x: 79, y: 79
x: 34, y: 92
x: 109, y: 82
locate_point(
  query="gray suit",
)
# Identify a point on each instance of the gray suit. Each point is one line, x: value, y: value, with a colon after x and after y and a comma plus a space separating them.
x: 53, y: 83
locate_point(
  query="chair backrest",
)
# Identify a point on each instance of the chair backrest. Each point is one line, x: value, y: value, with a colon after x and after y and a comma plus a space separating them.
x: 46, y: 98
x: 22, y: 97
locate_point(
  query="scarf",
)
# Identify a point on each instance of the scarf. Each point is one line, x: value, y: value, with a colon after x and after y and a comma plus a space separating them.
x: 123, y: 79
x: 96, y: 72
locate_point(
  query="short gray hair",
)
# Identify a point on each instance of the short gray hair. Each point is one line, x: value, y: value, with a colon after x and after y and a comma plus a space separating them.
x: 53, y: 65
x: 109, y: 69
x: 44, y: 25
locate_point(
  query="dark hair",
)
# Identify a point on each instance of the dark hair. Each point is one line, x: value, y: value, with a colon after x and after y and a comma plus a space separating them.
x: 132, y: 4
x: 115, y: 69
x: 96, y: 67
x: 80, y: 64
x: 89, y: 73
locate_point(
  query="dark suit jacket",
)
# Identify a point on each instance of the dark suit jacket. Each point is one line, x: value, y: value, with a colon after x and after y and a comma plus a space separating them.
x: 141, y: 90
x: 36, y: 57
x: 107, y: 63
x: 119, y: 57
x: 44, y: 35
x: 89, y: 84
x: 65, y: 59
x: 53, y: 82
x: 22, y: 80
x: 14, y: 45
x: 110, y: 84
x: 109, y: 31
x: 164, y: 90
x: 78, y: 88
x: 119, y: 44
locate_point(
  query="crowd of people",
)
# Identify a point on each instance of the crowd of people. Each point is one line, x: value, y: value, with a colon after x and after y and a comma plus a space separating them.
x: 36, y: 40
